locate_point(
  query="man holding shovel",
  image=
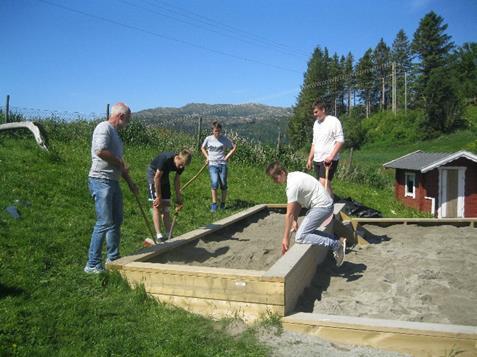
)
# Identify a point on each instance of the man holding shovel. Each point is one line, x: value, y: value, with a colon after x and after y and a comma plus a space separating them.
x: 328, y: 139
x: 304, y: 190
x: 106, y: 169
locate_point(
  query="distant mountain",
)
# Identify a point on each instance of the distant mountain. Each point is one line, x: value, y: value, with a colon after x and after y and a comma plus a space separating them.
x: 255, y: 121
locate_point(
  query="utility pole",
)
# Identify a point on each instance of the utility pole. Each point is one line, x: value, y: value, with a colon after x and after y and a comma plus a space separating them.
x: 107, y: 111
x: 382, y: 95
x: 405, y: 92
x: 394, y: 87
x: 7, y: 107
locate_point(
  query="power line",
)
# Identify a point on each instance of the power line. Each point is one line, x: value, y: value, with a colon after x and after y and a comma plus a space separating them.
x: 208, y: 27
x: 231, y: 29
x: 139, y: 29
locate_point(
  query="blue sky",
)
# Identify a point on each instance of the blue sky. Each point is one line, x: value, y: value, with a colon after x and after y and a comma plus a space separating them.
x: 76, y: 56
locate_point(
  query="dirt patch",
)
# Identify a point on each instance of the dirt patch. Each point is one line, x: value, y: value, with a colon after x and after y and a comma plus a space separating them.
x: 253, y: 244
x: 410, y: 273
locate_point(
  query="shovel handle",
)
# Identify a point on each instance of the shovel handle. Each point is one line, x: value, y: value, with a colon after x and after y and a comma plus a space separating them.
x: 327, y: 170
x: 146, y: 221
x: 193, y: 178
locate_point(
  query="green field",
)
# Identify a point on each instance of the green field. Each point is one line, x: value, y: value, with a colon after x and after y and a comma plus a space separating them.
x: 49, y: 306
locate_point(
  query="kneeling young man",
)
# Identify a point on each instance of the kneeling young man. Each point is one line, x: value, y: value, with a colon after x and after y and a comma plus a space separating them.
x: 304, y: 190
x: 160, y: 187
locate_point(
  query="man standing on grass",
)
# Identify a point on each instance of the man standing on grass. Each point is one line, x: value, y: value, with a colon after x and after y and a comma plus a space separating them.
x: 304, y: 190
x: 107, y: 168
x: 328, y: 139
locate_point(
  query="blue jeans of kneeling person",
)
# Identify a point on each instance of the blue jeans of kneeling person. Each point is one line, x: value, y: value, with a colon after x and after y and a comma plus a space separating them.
x: 218, y: 177
x: 109, y: 217
x: 308, y: 230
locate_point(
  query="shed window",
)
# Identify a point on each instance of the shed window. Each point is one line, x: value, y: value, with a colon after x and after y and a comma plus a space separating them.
x: 410, y: 184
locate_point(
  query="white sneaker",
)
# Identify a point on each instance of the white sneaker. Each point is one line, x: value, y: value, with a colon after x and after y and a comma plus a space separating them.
x: 94, y: 270
x: 340, y: 253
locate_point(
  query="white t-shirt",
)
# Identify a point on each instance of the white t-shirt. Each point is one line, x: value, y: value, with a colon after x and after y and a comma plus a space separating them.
x: 216, y: 148
x: 306, y: 190
x: 325, y: 135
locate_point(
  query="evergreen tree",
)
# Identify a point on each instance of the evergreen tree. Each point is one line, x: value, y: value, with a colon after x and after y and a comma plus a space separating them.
x: 401, y: 55
x: 350, y: 81
x: 432, y: 46
x: 314, y: 87
x: 365, y: 79
x: 381, y: 62
x: 335, y: 84
x: 465, y: 67
x: 442, y: 106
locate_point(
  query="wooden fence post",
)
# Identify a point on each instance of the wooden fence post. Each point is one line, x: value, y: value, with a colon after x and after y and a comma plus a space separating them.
x: 7, y: 108
x: 199, y: 129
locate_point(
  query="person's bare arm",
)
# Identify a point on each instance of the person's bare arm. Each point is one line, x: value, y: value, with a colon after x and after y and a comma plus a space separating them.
x: 231, y: 152
x: 291, y: 216
x: 177, y: 186
x: 334, y: 152
x: 311, y: 155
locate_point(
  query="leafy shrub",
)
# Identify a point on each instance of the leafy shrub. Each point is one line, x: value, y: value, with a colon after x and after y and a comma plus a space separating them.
x: 470, y: 116
x: 385, y: 127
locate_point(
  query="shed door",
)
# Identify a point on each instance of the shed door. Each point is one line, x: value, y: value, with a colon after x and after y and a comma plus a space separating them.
x: 451, y: 192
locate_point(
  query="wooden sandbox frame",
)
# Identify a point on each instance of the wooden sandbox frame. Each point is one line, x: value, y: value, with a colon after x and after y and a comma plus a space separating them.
x: 221, y: 292
x: 252, y: 294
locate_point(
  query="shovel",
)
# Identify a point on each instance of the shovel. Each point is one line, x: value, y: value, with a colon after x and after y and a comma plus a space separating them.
x: 176, y: 213
x: 148, y: 241
x: 179, y: 207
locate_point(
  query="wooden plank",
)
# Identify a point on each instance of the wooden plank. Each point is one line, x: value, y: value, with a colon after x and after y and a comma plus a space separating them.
x: 225, y: 287
x: 345, y: 230
x: 276, y: 205
x: 416, y: 338
x: 216, y: 309
x: 258, y: 275
x: 414, y: 220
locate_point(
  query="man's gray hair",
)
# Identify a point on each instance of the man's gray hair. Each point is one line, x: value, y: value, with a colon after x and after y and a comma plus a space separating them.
x: 120, y: 108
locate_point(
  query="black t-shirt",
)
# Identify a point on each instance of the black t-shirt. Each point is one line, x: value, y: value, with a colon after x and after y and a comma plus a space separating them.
x: 164, y: 162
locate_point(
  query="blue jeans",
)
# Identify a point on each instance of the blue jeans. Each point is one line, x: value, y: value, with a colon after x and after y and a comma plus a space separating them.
x: 108, y: 202
x: 218, y: 176
x: 308, y: 233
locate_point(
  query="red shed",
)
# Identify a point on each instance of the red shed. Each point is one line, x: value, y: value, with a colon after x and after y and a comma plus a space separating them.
x: 444, y: 184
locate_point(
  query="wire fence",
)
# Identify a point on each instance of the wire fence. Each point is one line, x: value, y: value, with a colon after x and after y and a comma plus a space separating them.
x: 25, y: 113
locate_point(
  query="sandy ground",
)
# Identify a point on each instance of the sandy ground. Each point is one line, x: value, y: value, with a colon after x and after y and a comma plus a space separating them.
x: 410, y: 273
x: 254, y: 244
x: 285, y: 344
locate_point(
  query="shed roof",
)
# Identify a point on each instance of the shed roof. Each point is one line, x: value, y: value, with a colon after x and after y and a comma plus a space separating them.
x: 426, y: 161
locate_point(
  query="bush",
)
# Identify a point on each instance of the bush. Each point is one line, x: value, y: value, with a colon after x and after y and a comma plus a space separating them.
x: 470, y: 115
x: 385, y: 127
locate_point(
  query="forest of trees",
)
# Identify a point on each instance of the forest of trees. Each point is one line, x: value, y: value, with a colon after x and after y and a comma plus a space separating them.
x: 432, y: 75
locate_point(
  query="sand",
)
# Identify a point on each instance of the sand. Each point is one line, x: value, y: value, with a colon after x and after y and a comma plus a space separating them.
x: 408, y: 272
x: 254, y: 244
x: 411, y: 273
